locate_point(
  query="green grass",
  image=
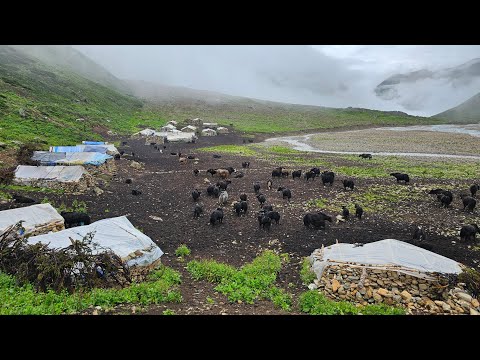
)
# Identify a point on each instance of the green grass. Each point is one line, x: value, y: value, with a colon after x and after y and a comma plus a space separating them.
x: 306, y: 273
x: 161, y: 287
x: 168, y: 312
x: 253, y: 281
x: 281, y: 150
x: 252, y: 116
x: 182, y: 251
x: 230, y: 149
x: 314, y: 303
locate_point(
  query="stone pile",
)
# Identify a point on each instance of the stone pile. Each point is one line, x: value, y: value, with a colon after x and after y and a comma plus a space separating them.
x: 364, y: 286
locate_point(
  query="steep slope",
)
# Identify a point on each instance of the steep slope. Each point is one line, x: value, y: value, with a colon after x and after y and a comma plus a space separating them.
x: 467, y: 112
x: 73, y: 60
x: 37, y: 100
x: 260, y: 116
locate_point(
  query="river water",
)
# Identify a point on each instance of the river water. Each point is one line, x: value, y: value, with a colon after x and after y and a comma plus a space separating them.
x: 300, y: 142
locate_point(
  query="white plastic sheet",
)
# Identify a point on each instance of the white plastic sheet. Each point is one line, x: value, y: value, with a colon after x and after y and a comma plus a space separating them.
x: 118, y: 234
x: 25, y: 173
x: 70, y: 158
x: 388, y: 254
x: 37, y: 218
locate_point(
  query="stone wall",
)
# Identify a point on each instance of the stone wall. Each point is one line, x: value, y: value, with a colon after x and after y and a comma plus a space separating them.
x: 374, y: 286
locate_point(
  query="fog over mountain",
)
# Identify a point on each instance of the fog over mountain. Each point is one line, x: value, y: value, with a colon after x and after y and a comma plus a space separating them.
x: 324, y: 75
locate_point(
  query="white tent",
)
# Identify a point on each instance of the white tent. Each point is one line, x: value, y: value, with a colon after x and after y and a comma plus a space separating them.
x: 222, y: 130
x: 25, y: 174
x: 181, y: 137
x: 209, y: 132
x: 117, y: 234
x: 189, y: 128
x: 38, y: 219
x: 168, y: 127
x: 388, y: 254
x: 210, y: 125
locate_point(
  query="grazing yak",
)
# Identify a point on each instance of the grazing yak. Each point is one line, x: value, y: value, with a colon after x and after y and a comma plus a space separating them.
x: 358, y: 211
x: 345, y: 212
x: 197, y: 210
x: 309, y: 175
x: 196, y: 194
x: 243, y: 197
x: 195, y: 172
x: 365, y: 156
x: 128, y: 181
x: 468, y: 232
x: 261, y: 199
x: 419, y: 233
x: 246, y: 164
x: 277, y: 172
x: 216, y: 216
x: 468, y: 202
x: 256, y: 188
x: 348, y: 184
x: 296, y: 174
x: 328, y: 177
x: 286, y: 193
x: 473, y: 189
x: 136, y: 192
x: 401, y: 177
x: 223, y: 197
x: 314, y: 219
x: 269, y: 184
x: 264, y: 221
x: 23, y: 199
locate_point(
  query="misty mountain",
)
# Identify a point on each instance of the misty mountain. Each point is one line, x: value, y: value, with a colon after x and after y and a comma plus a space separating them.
x: 416, y: 89
x: 467, y: 112
x: 70, y: 59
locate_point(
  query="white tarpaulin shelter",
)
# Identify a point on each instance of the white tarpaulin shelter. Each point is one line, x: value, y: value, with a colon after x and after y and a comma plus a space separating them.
x: 181, y: 137
x: 26, y: 174
x: 70, y: 158
x: 117, y: 234
x: 145, y: 132
x: 38, y: 219
x: 209, y: 132
x: 388, y: 254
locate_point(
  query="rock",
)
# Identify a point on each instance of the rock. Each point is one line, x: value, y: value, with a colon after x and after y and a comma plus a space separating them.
x: 359, y: 296
x: 136, y: 165
x: 475, y: 303
x: 395, y: 290
x: 335, y: 285
x: 406, y: 295
x: 380, y: 282
x: 463, y: 296
x: 474, y: 312
x: 98, y: 191
x: 464, y: 304
x: 22, y: 113
x: 423, y: 287
x: 312, y: 287
x: 397, y: 298
x: 362, y: 291
x: 95, y: 312
x: 341, y: 290
x: 383, y: 292
x: 377, y: 297
x: 369, y: 293
x: 156, y: 218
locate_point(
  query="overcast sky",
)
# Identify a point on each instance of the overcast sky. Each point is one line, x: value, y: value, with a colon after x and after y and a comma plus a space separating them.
x: 326, y: 75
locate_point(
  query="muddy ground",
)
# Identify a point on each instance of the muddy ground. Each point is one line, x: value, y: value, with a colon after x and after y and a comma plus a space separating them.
x: 166, y: 189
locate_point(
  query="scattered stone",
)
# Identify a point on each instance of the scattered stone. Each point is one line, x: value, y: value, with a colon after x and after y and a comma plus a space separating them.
x: 136, y: 165
x: 95, y: 312
x: 474, y: 312
x: 156, y: 218
x: 463, y: 296
x: 383, y: 292
x: 423, y: 287
x: 335, y: 285
x: 312, y: 286
x: 406, y: 295
x: 98, y: 191
x: 475, y: 303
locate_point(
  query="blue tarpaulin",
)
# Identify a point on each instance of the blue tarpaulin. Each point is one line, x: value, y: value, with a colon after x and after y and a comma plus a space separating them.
x: 70, y: 158
x: 93, y: 142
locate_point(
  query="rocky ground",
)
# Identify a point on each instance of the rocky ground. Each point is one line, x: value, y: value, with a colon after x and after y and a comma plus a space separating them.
x: 164, y: 212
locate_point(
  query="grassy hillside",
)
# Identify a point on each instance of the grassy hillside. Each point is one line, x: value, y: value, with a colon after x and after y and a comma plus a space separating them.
x: 249, y: 115
x: 467, y: 112
x: 44, y: 102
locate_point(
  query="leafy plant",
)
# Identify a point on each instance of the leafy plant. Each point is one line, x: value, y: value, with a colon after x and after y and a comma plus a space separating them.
x: 253, y: 281
x: 306, y: 273
x: 182, y: 251
x: 168, y: 312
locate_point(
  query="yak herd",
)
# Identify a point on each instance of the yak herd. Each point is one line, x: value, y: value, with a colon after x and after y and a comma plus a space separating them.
x: 267, y: 216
